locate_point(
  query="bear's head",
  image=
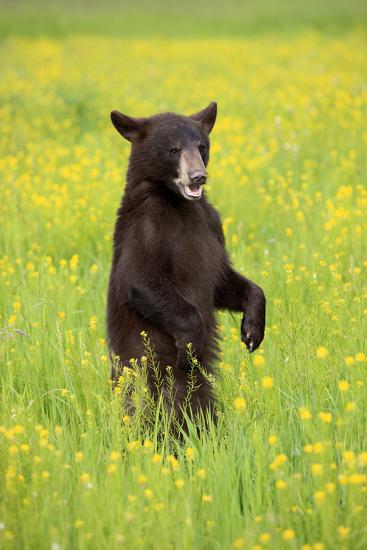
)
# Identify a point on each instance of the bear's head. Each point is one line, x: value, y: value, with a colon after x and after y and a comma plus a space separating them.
x: 169, y: 150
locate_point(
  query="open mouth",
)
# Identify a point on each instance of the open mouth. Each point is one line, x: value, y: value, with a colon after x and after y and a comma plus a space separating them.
x: 193, y: 191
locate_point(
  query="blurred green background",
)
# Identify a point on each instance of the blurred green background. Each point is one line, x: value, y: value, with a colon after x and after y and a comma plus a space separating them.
x: 184, y: 19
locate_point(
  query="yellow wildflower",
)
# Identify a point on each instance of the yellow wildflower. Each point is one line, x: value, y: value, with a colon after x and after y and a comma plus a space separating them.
x: 280, y: 484
x: 343, y: 531
x: 239, y: 404
x: 319, y: 497
x: 267, y: 382
x: 78, y: 524
x: 111, y: 468
x: 259, y: 360
x: 190, y: 453
x: 179, y: 483
x: 321, y: 352
x: 304, y: 413
x: 316, y: 469
x: 326, y: 417
x: 349, y: 361
x: 142, y: 479
x: 288, y: 534
x: 272, y: 439
x: 264, y: 537
x: 79, y: 456
x: 343, y: 385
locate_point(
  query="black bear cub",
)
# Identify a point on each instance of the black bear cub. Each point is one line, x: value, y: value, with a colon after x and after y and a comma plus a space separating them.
x: 170, y: 269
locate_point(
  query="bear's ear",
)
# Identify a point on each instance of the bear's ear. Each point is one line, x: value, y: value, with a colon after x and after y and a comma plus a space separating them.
x: 130, y: 128
x: 207, y: 117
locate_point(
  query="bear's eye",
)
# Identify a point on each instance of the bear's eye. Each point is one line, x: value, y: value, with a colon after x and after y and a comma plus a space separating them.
x: 202, y: 149
x: 174, y: 150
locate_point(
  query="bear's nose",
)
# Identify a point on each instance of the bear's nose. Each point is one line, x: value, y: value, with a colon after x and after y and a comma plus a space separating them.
x: 198, y: 177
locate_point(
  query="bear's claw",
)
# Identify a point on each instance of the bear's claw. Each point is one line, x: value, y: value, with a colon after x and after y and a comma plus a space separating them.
x: 252, y: 333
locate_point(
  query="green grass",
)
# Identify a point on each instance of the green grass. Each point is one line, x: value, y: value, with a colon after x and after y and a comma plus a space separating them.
x: 288, y: 176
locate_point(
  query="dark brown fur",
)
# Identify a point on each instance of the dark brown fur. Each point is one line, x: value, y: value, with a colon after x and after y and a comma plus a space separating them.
x: 170, y: 269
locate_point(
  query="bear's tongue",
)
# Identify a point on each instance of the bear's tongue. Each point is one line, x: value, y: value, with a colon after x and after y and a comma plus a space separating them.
x: 193, y: 190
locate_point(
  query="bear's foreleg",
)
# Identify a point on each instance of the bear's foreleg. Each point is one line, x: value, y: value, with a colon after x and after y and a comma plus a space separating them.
x: 237, y: 293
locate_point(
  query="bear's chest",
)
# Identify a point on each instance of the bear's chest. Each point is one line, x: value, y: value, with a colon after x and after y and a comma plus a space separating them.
x: 197, y: 260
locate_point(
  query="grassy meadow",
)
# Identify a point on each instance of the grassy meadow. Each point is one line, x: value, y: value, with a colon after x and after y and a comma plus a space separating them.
x: 286, y: 467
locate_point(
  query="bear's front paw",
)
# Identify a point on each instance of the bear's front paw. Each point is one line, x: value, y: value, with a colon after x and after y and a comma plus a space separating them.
x: 252, y: 332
